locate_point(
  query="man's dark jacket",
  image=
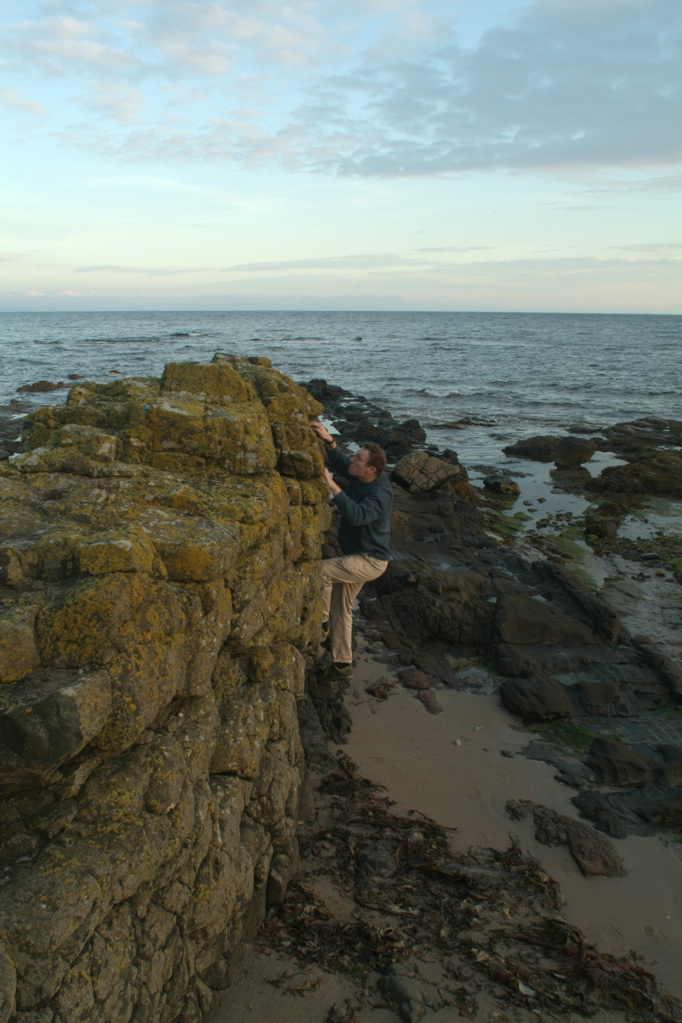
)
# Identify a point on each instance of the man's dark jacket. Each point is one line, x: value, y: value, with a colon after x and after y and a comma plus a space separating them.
x: 365, y: 510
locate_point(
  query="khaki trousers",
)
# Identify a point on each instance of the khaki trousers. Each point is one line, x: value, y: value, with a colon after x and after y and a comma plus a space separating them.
x: 343, y: 580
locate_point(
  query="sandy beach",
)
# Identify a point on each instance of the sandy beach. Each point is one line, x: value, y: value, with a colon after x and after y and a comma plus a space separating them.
x: 460, y: 767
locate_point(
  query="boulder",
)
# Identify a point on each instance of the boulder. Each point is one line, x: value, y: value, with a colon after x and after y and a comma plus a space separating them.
x: 615, y: 764
x: 524, y: 619
x: 570, y: 452
x: 420, y: 472
x: 537, y: 449
x: 535, y: 698
x: 40, y: 386
x: 501, y: 485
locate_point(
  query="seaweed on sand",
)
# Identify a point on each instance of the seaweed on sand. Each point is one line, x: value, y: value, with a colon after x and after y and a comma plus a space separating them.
x: 487, y: 916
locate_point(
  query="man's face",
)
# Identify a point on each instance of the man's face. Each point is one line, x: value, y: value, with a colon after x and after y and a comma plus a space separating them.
x: 360, y: 467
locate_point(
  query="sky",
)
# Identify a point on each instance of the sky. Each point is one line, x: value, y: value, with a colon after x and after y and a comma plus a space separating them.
x: 341, y: 154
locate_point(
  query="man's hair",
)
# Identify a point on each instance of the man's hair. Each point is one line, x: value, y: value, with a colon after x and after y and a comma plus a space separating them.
x: 376, y: 456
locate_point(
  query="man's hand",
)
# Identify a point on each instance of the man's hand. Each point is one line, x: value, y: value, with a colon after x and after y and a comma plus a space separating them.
x: 334, y: 487
x: 321, y: 432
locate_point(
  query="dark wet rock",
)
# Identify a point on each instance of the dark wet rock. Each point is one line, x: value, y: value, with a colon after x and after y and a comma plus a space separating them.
x: 645, y: 810
x: 575, y: 775
x: 526, y: 620
x: 358, y: 421
x: 658, y: 474
x: 399, y: 987
x: 598, y: 809
x: 667, y: 668
x: 615, y: 764
x: 597, y: 697
x: 46, y: 719
x: 10, y: 440
x: 326, y: 393
x: 593, y: 853
x: 377, y: 858
x: 413, y: 678
x: 664, y: 811
x: 537, y: 449
x: 535, y: 698
x: 420, y: 472
x: 572, y: 480
x: 631, y: 440
x: 327, y: 697
x: 613, y: 698
x: 672, y: 764
x: 557, y: 585
x: 417, y: 604
x: 613, y: 508
x: 597, y: 525
x: 501, y: 485
x: 427, y: 698
x: 570, y: 452
x: 40, y: 386
x: 313, y: 736
x: 441, y: 661
x: 551, y: 659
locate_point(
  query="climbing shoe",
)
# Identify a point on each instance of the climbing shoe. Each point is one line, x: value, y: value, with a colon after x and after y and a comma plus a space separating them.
x: 339, y: 670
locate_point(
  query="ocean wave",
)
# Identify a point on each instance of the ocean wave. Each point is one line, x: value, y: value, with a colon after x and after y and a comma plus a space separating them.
x: 143, y: 339
x: 426, y: 392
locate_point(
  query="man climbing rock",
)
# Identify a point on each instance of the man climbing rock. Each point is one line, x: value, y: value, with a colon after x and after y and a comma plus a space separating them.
x: 365, y: 510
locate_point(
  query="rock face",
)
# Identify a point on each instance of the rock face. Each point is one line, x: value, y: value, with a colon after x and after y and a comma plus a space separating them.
x: 159, y: 562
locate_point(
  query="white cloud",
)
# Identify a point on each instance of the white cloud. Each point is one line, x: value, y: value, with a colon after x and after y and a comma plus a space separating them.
x: 118, y: 102
x: 14, y: 99
x: 379, y: 91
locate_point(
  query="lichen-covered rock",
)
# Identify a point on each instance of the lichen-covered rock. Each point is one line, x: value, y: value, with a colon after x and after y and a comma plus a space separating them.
x: 47, y: 720
x: 420, y: 472
x: 159, y: 558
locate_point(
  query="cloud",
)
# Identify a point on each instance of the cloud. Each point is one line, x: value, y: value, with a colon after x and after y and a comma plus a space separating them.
x: 651, y: 247
x: 14, y: 99
x: 118, y: 102
x: 115, y: 268
x: 384, y: 90
x: 455, y: 248
x: 63, y: 45
x: 366, y: 261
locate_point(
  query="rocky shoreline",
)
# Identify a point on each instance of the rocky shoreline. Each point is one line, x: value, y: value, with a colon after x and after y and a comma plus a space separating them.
x: 480, y: 598
x: 470, y: 605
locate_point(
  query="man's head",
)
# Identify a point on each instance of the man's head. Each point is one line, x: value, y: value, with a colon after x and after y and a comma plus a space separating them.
x: 368, y: 462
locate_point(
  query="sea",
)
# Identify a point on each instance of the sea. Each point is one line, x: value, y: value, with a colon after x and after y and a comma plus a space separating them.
x: 476, y: 381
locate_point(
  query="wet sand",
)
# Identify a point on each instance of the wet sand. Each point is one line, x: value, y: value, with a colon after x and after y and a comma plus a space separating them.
x: 398, y: 744
x: 451, y: 767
